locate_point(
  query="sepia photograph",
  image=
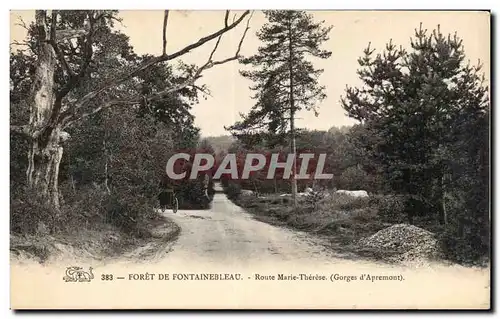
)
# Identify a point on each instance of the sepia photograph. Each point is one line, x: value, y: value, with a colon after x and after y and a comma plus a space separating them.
x: 250, y: 159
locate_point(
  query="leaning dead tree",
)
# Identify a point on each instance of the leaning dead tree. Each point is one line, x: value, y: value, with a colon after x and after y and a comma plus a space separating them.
x: 51, y: 111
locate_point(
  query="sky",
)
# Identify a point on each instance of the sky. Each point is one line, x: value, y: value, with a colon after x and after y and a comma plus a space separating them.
x: 350, y: 35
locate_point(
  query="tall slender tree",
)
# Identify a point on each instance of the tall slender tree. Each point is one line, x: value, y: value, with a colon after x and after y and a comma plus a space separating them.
x: 285, y: 81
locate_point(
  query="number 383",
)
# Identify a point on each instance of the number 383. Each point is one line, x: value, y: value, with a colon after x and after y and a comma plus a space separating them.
x: 106, y: 277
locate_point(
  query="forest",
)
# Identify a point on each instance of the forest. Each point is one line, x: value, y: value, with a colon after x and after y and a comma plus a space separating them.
x: 420, y: 148
x: 93, y: 125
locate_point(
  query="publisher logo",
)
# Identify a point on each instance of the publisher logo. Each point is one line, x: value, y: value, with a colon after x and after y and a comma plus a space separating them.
x: 77, y: 274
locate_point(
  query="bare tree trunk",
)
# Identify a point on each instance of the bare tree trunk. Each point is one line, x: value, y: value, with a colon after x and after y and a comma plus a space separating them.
x: 73, y: 183
x: 256, y: 190
x: 440, y: 198
x: 44, y: 158
x: 294, y: 165
x: 443, y: 199
x: 106, y: 153
x: 106, y: 159
x: 484, y: 169
x: 292, y: 118
x: 45, y: 153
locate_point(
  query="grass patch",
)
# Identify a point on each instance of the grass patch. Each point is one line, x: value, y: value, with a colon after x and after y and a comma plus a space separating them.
x: 340, y: 219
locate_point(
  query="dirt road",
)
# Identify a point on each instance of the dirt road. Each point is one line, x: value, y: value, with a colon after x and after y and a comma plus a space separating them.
x: 225, y: 242
x: 228, y: 235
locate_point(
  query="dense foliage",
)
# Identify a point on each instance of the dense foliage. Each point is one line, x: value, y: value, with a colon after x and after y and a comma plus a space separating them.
x: 114, y: 163
x: 427, y: 111
x: 421, y: 147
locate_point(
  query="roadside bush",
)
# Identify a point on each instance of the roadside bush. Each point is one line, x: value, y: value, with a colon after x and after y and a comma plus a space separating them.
x: 465, y: 239
x: 353, y: 178
x: 85, y: 209
x: 391, y: 208
x: 28, y: 213
x: 345, y: 218
x: 91, y: 207
x: 312, y: 199
x: 191, y: 195
x: 344, y: 202
x: 463, y: 244
x: 232, y: 190
x: 82, y: 207
x: 129, y: 214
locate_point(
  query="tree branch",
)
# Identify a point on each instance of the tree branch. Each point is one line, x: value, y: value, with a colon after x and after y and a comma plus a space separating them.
x: 74, y: 79
x: 226, y: 18
x: 165, y: 22
x: 87, y: 57
x: 71, y: 117
x: 22, y: 24
x: 215, y: 49
x: 70, y: 120
x: 60, y: 57
x: 209, y: 64
x: 163, y: 58
x: 24, y: 43
x: 202, y: 90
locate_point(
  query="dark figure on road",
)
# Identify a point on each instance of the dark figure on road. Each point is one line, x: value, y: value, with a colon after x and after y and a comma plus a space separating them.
x: 168, y: 199
x: 165, y: 198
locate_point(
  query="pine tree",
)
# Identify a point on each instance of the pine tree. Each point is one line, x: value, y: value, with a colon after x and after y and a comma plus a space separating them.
x: 427, y: 110
x: 285, y: 81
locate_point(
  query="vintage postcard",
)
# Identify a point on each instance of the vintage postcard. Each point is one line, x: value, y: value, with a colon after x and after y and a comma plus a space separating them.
x: 278, y: 159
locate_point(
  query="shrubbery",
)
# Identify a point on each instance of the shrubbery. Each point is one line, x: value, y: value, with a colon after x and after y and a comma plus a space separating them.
x: 191, y: 195
x: 342, y: 219
x: 391, y: 208
x: 28, y: 212
x: 232, y: 190
x: 466, y: 238
x: 89, y: 208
